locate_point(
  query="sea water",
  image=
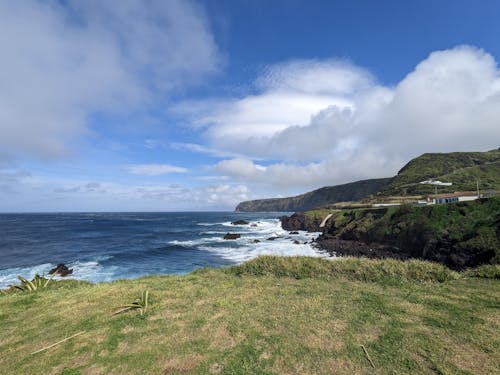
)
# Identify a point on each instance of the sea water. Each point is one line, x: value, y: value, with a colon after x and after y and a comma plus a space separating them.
x: 110, y: 246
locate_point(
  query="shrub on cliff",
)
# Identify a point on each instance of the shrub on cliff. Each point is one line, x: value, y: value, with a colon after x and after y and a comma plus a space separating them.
x: 357, y: 269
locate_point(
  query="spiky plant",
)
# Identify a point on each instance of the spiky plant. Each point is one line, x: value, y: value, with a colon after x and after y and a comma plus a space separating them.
x: 36, y: 283
x: 140, y: 303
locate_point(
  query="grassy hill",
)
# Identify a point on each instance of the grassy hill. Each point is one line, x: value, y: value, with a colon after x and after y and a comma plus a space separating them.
x: 268, y: 316
x: 319, y: 197
x: 463, y: 169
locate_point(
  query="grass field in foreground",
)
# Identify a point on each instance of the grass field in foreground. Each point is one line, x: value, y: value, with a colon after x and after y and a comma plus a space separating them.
x: 268, y: 316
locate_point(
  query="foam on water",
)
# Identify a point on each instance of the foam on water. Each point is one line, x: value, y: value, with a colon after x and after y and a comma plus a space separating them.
x: 9, y: 276
x: 91, y: 271
x: 174, y: 245
x: 254, y: 241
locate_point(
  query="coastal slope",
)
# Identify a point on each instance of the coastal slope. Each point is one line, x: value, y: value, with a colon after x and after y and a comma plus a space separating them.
x: 458, y: 235
x: 273, y: 315
x: 466, y: 171
x: 320, y: 197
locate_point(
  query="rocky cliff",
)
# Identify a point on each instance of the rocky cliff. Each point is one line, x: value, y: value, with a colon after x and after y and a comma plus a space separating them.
x: 320, y: 197
x: 459, y: 235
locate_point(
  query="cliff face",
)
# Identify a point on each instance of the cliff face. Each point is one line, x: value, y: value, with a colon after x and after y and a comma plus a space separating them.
x: 320, y: 197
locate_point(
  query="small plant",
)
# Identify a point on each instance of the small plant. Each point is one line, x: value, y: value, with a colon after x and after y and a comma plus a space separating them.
x: 38, y: 282
x: 140, y: 303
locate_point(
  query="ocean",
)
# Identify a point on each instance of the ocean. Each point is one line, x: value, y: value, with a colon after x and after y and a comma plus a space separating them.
x: 109, y: 246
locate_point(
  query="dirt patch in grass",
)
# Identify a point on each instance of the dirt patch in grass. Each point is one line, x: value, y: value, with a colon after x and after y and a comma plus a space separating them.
x: 330, y: 338
x: 340, y: 367
x: 221, y: 338
x: 368, y: 335
x: 126, y: 347
x: 93, y: 370
x: 182, y: 365
x: 470, y: 358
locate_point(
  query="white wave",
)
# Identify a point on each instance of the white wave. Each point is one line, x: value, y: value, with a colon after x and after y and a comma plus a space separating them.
x: 198, y: 242
x: 9, y: 276
x: 91, y: 271
x: 255, y: 242
x: 277, y: 247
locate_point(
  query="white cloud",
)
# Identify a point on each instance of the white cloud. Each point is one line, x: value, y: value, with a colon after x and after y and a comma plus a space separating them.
x: 288, y: 95
x: 326, y: 77
x: 450, y: 102
x: 155, y: 169
x: 90, y: 187
x: 45, y: 193
x: 195, y: 147
x: 63, y: 61
x: 11, y: 179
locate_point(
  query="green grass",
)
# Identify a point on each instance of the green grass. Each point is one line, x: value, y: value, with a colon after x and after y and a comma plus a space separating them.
x: 268, y: 316
x: 460, y: 168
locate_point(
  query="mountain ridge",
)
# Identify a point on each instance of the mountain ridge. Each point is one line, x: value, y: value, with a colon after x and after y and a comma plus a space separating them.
x: 466, y: 171
x: 319, y: 197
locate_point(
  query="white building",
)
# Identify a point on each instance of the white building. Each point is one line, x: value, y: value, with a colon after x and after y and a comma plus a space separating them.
x: 455, y: 197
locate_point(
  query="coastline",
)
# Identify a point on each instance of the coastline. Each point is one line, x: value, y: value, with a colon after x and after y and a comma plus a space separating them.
x: 110, y: 246
x: 458, y: 235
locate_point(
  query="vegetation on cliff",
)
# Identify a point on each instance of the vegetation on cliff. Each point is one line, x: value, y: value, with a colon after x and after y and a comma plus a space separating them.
x: 316, y: 198
x: 458, y: 235
x: 465, y: 170
x: 268, y: 316
x: 462, y: 169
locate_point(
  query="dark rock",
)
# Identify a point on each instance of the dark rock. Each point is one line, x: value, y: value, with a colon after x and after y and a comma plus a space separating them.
x: 340, y: 247
x: 232, y: 236
x: 299, y: 221
x: 253, y: 225
x: 294, y: 222
x: 294, y: 232
x: 296, y: 242
x: 256, y: 241
x: 272, y: 238
x: 61, y: 269
x: 240, y: 222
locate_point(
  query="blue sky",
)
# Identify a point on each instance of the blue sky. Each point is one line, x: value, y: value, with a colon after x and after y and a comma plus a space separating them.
x: 191, y: 105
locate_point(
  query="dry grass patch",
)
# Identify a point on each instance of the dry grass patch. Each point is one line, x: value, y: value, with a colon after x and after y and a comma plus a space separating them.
x: 221, y: 338
x: 93, y: 370
x: 475, y: 361
x: 329, y: 337
x: 182, y: 365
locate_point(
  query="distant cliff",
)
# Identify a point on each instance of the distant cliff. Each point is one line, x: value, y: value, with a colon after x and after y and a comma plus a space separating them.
x: 320, y: 197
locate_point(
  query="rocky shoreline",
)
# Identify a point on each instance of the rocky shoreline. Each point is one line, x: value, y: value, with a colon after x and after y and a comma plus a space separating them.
x: 336, y: 246
x: 459, y: 236
x: 339, y: 247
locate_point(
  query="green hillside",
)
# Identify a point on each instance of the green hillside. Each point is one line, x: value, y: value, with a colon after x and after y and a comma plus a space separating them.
x: 458, y: 235
x: 320, y: 197
x: 462, y: 169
